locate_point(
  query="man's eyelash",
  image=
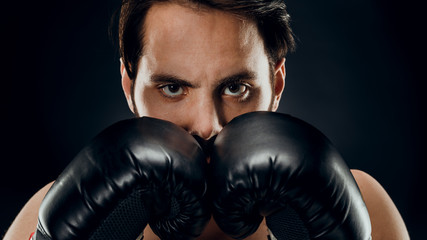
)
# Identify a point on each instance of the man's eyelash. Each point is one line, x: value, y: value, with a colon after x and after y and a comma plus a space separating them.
x: 240, y: 82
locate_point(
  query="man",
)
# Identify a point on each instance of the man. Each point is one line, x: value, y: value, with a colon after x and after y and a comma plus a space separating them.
x: 199, y: 65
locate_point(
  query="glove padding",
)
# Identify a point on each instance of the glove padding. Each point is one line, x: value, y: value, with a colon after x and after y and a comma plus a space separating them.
x: 273, y: 165
x: 136, y: 171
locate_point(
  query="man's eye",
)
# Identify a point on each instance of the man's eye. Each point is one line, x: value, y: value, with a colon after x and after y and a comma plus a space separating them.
x: 235, y: 89
x: 172, y: 90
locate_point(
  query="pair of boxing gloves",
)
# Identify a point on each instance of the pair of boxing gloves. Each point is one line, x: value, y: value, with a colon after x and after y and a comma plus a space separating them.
x: 148, y: 171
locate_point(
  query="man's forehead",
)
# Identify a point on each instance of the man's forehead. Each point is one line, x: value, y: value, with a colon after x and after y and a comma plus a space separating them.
x: 191, y: 45
x: 189, y: 27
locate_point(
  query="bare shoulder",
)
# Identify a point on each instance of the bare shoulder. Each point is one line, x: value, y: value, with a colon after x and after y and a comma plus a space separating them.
x: 26, y: 221
x: 386, y: 220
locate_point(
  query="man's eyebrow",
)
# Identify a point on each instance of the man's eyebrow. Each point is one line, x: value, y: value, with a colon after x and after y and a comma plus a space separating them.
x: 171, y: 79
x: 235, y: 78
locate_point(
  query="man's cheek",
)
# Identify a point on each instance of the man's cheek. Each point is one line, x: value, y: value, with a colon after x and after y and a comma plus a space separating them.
x: 232, y: 110
x: 173, y: 112
x: 147, y: 101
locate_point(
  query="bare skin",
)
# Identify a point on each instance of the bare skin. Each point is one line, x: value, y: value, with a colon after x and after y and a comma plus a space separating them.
x: 199, y: 70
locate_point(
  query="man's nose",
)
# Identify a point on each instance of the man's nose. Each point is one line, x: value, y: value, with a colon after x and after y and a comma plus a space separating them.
x: 205, y: 119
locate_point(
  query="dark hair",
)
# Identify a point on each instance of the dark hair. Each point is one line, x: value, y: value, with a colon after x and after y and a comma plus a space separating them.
x: 270, y: 16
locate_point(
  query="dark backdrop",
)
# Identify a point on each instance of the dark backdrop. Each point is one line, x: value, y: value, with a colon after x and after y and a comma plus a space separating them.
x: 356, y: 75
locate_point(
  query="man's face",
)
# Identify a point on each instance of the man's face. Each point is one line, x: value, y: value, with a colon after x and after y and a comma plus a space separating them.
x: 201, y: 68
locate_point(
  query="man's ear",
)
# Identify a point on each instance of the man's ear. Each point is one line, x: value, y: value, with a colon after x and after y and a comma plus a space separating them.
x: 279, y: 83
x: 126, y: 85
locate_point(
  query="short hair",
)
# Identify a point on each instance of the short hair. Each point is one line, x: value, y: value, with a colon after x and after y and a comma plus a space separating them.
x: 271, y: 17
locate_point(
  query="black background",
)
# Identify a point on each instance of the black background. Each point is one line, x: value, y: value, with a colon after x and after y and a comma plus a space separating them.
x: 357, y: 75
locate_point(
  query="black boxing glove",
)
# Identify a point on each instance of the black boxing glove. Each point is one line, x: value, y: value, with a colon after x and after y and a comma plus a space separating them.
x: 272, y: 165
x: 135, y: 172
